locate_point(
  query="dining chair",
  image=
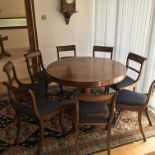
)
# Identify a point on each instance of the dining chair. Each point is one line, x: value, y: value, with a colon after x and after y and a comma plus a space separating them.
x: 132, y: 60
x: 66, y: 49
x: 13, y: 80
x: 133, y: 101
x: 36, y: 68
x: 25, y: 103
x: 95, y: 110
x: 103, y: 49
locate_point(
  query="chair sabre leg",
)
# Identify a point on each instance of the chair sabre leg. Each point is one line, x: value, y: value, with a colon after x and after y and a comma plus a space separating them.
x: 148, y: 116
x: 77, y: 139
x: 106, y: 89
x: 40, y: 146
x: 61, y: 88
x: 140, y: 124
x: 18, y: 124
x: 61, y: 120
x: 109, y: 139
x: 116, y: 118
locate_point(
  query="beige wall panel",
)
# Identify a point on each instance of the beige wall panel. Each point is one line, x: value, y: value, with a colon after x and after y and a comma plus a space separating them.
x: 12, y: 8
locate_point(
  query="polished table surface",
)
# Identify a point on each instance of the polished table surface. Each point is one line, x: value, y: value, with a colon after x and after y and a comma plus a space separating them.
x: 87, y: 72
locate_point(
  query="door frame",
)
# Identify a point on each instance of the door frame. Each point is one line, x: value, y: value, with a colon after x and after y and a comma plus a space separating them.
x: 31, y: 24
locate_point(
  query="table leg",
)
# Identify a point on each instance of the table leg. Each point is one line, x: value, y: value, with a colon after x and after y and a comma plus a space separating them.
x: 86, y: 91
x: 106, y: 91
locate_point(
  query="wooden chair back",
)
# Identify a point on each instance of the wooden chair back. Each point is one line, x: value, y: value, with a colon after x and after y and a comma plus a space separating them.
x: 104, y: 49
x: 10, y: 71
x: 34, y: 63
x: 138, y: 59
x: 92, y: 99
x: 61, y: 49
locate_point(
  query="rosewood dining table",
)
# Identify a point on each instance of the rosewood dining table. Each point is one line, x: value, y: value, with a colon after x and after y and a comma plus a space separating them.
x: 86, y: 72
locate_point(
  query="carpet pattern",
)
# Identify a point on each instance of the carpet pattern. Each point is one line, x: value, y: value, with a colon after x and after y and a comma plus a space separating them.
x: 92, y: 139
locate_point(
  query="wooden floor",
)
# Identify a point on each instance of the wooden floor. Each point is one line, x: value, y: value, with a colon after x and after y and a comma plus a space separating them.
x: 138, y: 148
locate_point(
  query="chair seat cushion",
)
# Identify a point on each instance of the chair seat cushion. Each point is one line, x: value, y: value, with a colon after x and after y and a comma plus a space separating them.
x: 42, y: 75
x: 132, y: 98
x: 37, y: 88
x: 93, y: 112
x: 44, y: 106
x: 93, y: 118
x: 126, y: 82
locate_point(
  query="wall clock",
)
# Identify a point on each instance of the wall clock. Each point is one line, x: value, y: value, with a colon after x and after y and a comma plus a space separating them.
x: 68, y: 7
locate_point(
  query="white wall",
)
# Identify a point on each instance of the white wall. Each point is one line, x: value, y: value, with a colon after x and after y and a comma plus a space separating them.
x: 54, y: 32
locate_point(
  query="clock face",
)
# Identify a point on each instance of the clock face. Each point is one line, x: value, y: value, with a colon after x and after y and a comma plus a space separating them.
x: 69, y: 1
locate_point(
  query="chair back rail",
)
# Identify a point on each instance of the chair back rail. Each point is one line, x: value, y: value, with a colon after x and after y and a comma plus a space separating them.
x: 10, y: 71
x: 66, y: 48
x: 104, y: 49
x: 138, y: 59
x: 34, y: 63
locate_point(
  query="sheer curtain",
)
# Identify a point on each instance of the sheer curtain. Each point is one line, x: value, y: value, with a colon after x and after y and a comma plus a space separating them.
x: 150, y: 68
x: 129, y: 26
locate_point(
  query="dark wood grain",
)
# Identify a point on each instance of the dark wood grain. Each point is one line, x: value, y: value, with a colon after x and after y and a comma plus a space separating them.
x: 87, y: 71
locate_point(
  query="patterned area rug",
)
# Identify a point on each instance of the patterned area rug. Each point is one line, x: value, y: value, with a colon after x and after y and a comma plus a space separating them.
x: 92, y: 139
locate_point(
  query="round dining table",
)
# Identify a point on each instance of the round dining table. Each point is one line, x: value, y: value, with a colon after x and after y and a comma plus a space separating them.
x: 86, y: 72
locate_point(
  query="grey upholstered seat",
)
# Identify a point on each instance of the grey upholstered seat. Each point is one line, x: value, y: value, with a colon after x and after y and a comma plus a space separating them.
x: 41, y: 75
x: 91, y: 107
x: 93, y: 112
x: 94, y: 118
x: 44, y: 107
x: 126, y: 82
x: 132, y: 98
x: 38, y: 88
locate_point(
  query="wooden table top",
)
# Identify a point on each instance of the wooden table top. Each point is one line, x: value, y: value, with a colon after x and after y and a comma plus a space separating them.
x: 87, y: 72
